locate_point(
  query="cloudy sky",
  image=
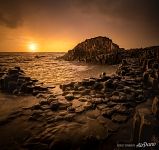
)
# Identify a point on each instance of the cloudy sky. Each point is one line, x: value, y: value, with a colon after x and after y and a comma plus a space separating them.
x: 58, y: 25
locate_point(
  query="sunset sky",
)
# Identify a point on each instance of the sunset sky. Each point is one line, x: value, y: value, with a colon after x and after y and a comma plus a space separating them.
x: 58, y: 25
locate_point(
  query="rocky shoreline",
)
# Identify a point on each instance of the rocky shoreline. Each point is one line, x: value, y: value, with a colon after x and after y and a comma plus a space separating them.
x: 96, y: 113
x: 15, y: 81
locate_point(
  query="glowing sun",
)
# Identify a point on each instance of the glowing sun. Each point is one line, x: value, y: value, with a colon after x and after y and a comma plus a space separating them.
x: 33, y: 47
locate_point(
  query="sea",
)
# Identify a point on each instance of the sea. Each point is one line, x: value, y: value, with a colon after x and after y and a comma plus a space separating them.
x: 48, y: 70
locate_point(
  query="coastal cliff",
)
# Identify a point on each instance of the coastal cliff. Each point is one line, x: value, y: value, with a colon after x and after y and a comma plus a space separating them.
x: 100, y: 50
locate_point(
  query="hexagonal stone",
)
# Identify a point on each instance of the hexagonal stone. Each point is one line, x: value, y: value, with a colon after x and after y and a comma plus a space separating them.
x: 108, y: 112
x: 69, y: 97
x: 119, y: 118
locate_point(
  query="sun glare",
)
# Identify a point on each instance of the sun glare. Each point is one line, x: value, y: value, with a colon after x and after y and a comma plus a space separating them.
x: 33, y: 47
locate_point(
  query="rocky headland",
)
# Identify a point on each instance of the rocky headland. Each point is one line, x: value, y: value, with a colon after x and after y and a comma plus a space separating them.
x: 99, y: 50
x: 109, y: 112
x: 102, y: 50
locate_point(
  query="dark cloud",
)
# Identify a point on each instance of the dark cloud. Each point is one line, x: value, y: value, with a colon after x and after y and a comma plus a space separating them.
x: 12, y: 12
x: 139, y: 11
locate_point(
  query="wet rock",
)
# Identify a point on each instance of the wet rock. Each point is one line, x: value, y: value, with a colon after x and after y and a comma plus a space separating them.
x: 104, y: 77
x: 36, y: 107
x: 128, y: 89
x: 69, y: 117
x: 93, y: 114
x: 108, y: 84
x: 101, y: 106
x: 85, y: 92
x: 28, y: 89
x: 79, y: 109
x: 12, y: 85
x: 13, y: 71
x: 86, y: 82
x: 87, y: 106
x: 63, y: 113
x: 97, y: 100
x: 121, y: 109
x: 92, y: 82
x: 45, y: 107
x: 81, y: 88
x: 39, y: 88
x: 54, y: 105
x: 51, y: 98
x: 64, y: 105
x: 63, y: 87
x: 36, y: 116
x: 65, y: 93
x: 119, y: 118
x: 118, y: 98
x: 71, y: 109
x: 140, y: 99
x: 43, y: 102
x: 108, y: 112
x: 83, y: 99
x: 100, y: 95
x: 98, y: 86
x: 69, y: 97
x: 105, y: 100
x: 116, y: 93
x: 115, y: 98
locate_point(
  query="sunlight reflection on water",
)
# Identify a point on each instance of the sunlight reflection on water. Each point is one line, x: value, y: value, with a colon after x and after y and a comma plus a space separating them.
x: 46, y: 69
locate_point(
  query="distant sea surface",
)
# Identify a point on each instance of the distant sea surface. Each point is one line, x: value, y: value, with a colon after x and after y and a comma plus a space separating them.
x: 50, y: 71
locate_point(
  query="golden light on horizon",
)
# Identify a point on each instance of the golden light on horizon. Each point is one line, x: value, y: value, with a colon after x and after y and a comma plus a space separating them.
x: 32, y: 47
x: 53, y: 45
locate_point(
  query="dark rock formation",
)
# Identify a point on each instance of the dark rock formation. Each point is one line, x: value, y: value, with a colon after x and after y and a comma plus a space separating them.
x: 143, y: 53
x: 15, y: 81
x: 95, y: 50
x: 101, y: 50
